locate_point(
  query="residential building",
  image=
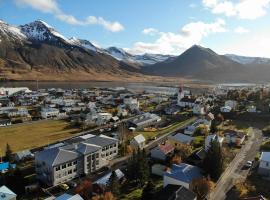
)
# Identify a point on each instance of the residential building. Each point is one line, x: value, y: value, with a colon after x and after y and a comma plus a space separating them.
x: 81, y: 155
x: 198, y: 109
x: 264, y: 167
x: 66, y: 196
x: 179, y: 139
x: 231, y: 103
x: 182, y: 174
x: 49, y: 113
x: 251, y: 109
x: 210, y: 138
x: 234, y: 137
x: 5, y: 122
x: 104, y: 180
x: 225, y: 109
x: 175, y: 192
x: 7, y: 194
x: 162, y: 151
x: 186, y: 102
x: 138, y: 142
x: 144, y: 120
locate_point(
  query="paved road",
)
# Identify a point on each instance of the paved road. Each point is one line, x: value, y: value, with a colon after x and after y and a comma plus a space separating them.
x: 235, y: 171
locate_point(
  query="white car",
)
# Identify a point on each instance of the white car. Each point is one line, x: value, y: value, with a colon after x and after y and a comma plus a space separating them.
x: 248, y: 164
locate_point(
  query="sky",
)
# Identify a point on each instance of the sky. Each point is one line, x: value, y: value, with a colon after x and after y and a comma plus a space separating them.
x: 154, y: 26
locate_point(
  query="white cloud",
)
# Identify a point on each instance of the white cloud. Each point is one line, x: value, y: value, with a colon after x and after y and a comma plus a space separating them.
x: 243, y: 9
x: 255, y: 44
x: 51, y: 6
x: 150, y: 31
x: 241, y: 30
x: 176, y: 43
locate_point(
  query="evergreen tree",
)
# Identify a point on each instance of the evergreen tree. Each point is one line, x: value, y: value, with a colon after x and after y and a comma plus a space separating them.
x: 213, y: 163
x: 8, y: 156
x: 143, y: 167
x: 148, y: 191
x: 113, y: 184
x: 213, y: 128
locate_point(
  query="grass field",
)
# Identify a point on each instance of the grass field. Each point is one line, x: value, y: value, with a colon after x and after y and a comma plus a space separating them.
x: 36, y: 134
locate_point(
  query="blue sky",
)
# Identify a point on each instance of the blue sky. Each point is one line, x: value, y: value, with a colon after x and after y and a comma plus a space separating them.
x: 154, y: 26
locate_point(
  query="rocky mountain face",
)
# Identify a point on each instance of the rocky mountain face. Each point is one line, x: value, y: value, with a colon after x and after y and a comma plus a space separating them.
x: 202, y: 64
x: 37, y: 48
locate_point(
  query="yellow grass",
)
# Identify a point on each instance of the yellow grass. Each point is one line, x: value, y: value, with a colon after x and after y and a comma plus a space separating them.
x: 37, y: 134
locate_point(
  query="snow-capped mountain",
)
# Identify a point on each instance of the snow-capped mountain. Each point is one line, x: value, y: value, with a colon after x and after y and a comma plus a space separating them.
x: 248, y: 60
x: 10, y: 32
x: 144, y: 59
x: 41, y: 31
x: 83, y: 43
x: 150, y: 59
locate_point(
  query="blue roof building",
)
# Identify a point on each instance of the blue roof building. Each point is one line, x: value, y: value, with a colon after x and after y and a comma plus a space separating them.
x: 5, y: 165
x: 182, y: 174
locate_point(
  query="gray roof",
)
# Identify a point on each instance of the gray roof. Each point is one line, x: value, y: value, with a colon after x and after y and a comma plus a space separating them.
x: 85, y: 148
x: 57, y: 156
x: 180, y: 137
x: 100, y: 141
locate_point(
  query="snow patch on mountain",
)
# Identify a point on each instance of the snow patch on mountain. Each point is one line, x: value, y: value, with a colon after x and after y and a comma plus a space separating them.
x: 247, y: 60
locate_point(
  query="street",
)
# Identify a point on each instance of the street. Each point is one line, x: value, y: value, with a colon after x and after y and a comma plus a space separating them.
x: 235, y: 171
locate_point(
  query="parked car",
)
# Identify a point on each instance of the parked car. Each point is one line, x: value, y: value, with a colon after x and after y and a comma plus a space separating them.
x: 248, y: 164
x: 64, y: 186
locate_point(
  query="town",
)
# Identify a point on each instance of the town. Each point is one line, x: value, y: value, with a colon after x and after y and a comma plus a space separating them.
x: 156, y: 142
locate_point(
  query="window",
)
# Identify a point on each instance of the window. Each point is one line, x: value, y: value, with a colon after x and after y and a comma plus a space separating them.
x: 69, y: 164
x: 57, y: 168
x: 114, y: 151
x: 69, y: 171
x: 114, y: 145
x: 75, y: 162
x: 97, y: 155
x: 64, y: 166
x: 267, y: 164
x: 75, y: 169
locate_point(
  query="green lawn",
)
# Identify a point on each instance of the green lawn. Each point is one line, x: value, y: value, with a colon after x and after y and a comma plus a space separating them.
x: 135, y: 193
x: 31, y: 135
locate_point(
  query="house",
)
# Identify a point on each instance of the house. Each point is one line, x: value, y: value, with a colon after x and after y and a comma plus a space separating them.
x: 225, y: 109
x: 264, y: 167
x: 138, y: 142
x: 4, y: 166
x: 49, y: 113
x: 66, y: 196
x: 104, y: 180
x: 231, y: 103
x: 23, y: 155
x: 234, y: 137
x: 144, y: 120
x: 175, y: 192
x: 103, y: 118
x: 211, y: 138
x: 197, y: 157
x: 158, y: 169
x: 5, y: 122
x: 198, y: 109
x: 7, y: 194
x: 252, y: 109
x: 162, y: 151
x: 182, y: 174
x: 131, y: 103
x: 122, y: 111
x: 179, y: 139
x: 186, y: 102
x: 82, y: 155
